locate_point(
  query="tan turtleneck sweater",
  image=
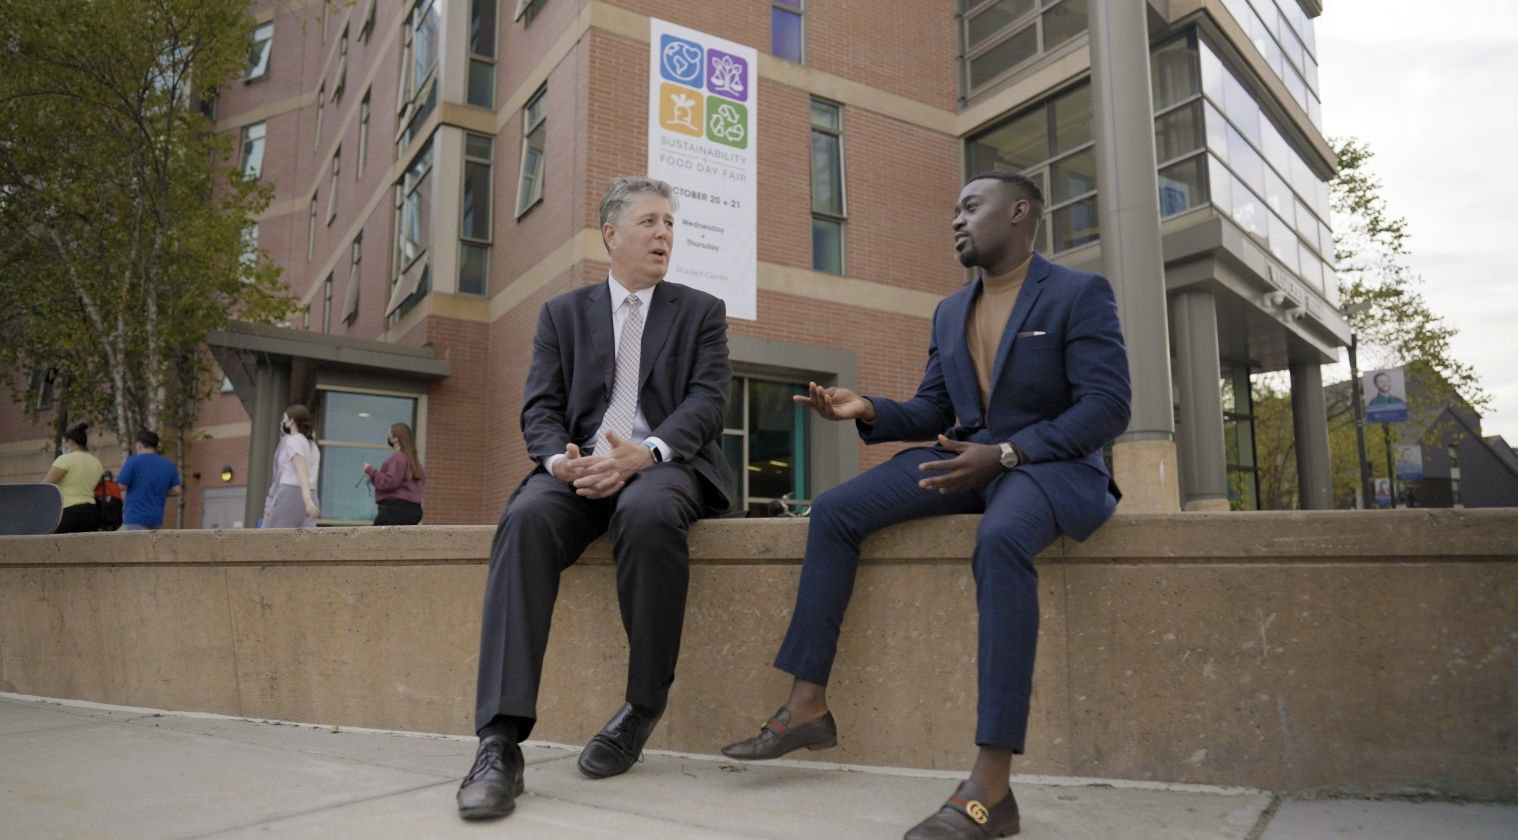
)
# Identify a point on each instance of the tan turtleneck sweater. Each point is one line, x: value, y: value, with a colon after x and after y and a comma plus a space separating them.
x: 989, y: 320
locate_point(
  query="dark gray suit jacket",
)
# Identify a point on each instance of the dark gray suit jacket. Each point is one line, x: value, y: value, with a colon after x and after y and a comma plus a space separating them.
x: 683, y: 383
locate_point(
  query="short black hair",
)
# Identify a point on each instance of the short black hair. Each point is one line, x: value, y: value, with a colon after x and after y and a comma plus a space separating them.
x: 1024, y: 187
x: 148, y: 439
x: 77, y: 435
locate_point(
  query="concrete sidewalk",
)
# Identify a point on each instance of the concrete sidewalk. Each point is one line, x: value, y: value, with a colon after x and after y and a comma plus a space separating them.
x: 80, y: 770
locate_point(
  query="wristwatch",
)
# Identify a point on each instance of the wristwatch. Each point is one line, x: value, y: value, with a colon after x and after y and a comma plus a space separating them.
x: 1009, y: 456
x: 654, y: 451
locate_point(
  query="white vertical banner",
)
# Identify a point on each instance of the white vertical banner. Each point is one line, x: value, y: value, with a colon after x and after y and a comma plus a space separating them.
x: 703, y: 116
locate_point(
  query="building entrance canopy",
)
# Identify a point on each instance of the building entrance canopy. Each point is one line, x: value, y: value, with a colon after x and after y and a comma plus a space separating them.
x: 270, y: 367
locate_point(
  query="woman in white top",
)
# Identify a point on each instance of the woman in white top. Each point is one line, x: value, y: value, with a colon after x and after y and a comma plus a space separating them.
x: 292, y: 499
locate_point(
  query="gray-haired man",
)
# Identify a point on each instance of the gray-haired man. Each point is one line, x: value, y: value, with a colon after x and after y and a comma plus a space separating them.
x: 622, y: 413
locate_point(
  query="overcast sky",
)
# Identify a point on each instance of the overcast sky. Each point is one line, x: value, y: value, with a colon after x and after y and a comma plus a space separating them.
x: 1431, y: 88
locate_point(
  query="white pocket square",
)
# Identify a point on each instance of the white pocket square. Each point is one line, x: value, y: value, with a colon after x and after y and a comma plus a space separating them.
x: 1031, y: 334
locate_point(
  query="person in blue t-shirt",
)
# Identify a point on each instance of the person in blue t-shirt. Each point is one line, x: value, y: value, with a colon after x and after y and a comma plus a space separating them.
x: 149, y: 479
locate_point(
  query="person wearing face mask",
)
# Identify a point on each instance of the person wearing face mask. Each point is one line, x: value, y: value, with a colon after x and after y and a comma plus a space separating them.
x: 292, y: 499
x: 398, y: 483
x: 76, y: 472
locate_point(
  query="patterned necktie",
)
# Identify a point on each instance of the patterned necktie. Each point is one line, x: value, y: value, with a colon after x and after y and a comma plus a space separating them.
x: 624, y: 389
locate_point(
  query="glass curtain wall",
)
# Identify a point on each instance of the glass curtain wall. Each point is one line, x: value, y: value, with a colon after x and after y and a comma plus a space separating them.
x: 1283, y: 34
x: 1238, y: 438
x: 1213, y: 144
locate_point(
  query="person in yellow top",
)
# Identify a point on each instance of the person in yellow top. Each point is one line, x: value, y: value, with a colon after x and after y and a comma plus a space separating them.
x: 76, y: 472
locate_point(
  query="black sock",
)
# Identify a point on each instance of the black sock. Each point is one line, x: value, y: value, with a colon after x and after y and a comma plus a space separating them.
x: 500, y: 725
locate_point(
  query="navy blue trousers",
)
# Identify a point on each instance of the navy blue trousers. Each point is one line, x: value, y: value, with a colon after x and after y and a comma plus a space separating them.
x: 1018, y: 523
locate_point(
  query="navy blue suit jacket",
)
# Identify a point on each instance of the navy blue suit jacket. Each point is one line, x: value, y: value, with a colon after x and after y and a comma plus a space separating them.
x: 682, y: 390
x: 1059, y: 390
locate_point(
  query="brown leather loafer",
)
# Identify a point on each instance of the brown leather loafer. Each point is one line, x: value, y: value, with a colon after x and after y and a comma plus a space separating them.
x: 967, y: 817
x: 777, y: 737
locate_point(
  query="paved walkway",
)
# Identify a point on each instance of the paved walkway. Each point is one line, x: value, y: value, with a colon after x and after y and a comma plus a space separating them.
x: 79, y: 770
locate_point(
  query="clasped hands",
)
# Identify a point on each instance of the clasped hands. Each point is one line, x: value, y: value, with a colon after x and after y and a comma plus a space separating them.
x: 973, y: 465
x: 602, y: 475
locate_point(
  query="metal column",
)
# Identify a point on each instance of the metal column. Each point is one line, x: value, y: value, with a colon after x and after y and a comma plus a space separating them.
x: 1204, y: 465
x: 1144, y: 458
x: 1310, y: 417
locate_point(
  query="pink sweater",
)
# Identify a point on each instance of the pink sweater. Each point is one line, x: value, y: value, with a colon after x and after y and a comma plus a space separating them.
x: 393, y: 480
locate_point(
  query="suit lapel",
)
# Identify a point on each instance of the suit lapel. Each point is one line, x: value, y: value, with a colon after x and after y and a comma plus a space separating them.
x: 959, y: 366
x: 1038, y: 272
x: 598, y: 315
x: 656, y: 328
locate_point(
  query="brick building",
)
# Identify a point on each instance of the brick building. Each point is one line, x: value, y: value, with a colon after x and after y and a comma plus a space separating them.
x: 437, y: 166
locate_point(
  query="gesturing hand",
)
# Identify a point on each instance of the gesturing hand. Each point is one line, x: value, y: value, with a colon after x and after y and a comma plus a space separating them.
x: 607, y: 473
x: 837, y: 403
x: 572, y: 466
x: 974, y: 466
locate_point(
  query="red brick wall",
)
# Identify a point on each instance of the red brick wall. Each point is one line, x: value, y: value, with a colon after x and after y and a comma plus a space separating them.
x: 901, y: 183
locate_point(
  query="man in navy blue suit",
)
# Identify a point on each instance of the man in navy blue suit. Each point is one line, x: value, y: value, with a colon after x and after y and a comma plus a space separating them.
x: 1027, y: 379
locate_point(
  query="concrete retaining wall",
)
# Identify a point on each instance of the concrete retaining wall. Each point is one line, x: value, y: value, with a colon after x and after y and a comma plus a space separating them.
x: 1292, y: 651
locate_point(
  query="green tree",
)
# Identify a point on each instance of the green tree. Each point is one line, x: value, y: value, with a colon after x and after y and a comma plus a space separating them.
x: 1382, y: 294
x: 121, y: 224
x: 1385, y: 306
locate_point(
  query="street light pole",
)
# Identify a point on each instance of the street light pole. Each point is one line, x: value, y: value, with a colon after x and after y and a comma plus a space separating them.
x: 1366, y: 491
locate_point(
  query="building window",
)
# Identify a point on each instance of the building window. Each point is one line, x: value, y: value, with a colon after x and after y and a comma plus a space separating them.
x: 413, y: 203
x: 354, y: 426
x: 249, y: 251
x: 1000, y: 36
x: 527, y: 10
x: 418, y: 88
x: 363, y: 136
x: 786, y: 34
x: 1238, y: 438
x: 321, y: 107
x: 327, y: 304
x: 340, y: 83
x: 39, y: 391
x: 482, y: 51
x: 1051, y: 143
x: 534, y: 138
x: 350, y: 300
x: 366, y: 25
x: 337, y: 161
x: 253, y: 150
x: 258, y: 57
x: 1178, y: 126
x: 475, y: 216
x: 767, y: 441
x: 828, y: 208
x: 311, y: 232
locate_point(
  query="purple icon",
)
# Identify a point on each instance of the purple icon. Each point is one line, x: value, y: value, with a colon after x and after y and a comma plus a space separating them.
x: 726, y: 74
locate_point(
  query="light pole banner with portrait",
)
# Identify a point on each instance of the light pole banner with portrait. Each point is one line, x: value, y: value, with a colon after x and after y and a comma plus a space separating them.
x: 1409, y: 462
x: 1385, y: 396
x: 703, y: 116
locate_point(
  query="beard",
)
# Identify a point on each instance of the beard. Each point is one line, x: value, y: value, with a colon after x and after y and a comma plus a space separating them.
x: 967, y: 254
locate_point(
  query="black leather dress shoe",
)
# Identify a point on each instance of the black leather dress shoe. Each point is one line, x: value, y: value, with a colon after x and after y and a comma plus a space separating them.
x: 616, y: 748
x: 493, y: 785
x: 967, y: 817
x: 777, y: 737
